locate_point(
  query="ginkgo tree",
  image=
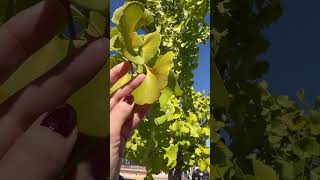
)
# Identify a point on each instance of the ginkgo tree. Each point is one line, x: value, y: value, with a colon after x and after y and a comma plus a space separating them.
x: 160, y: 40
x: 256, y: 134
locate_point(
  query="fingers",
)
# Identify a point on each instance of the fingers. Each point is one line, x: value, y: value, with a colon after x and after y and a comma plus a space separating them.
x: 27, y: 32
x: 43, y: 150
x: 49, y: 91
x: 125, y: 90
x: 118, y: 71
x: 132, y: 123
x: 120, y: 114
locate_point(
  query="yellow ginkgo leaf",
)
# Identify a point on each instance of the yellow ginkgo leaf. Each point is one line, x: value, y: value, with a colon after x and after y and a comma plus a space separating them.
x: 132, y: 13
x: 148, y: 92
x: 162, y: 68
x: 122, y: 81
x: 151, y: 45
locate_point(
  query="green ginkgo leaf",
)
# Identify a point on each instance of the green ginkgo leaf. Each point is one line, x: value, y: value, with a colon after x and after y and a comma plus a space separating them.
x: 151, y: 45
x: 113, y: 31
x: 165, y: 96
x: 171, y: 154
x: 115, y: 43
x: 117, y: 14
x: 220, y: 93
x: 148, y: 92
x: 135, y: 59
x: 263, y: 171
x: 146, y: 19
x: 202, y: 165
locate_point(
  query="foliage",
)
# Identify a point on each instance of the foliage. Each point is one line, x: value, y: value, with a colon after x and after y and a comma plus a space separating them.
x: 256, y: 135
x: 172, y: 137
x: 140, y: 50
x: 91, y: 22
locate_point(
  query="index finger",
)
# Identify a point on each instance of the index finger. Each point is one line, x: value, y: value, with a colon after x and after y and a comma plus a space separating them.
x: 118, y: 71
x: 27, y: 32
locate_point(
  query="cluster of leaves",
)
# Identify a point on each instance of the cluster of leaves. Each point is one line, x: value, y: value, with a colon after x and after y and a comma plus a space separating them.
x: 170, y: 131
x: 173, y: 135
x: 142, y: 50
x: 255, y: 134
x: 90, y: 20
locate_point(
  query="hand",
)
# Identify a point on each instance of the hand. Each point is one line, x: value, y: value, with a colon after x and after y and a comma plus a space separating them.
x: 37, y: 129
x: 124, y: 115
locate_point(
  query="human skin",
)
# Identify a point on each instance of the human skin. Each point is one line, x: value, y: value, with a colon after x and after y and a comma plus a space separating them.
x: 124, y: 115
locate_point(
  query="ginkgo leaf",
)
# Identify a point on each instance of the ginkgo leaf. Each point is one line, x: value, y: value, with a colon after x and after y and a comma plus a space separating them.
x: 117, y: 14
x: 202, y: 165
x: 206, y: 131
x: 184, y: 129
x: 198, y: 151
x: 148, y: 92
x: 162, y: 68
x: 35, y: 66
x: 161, y: 119
x: 220, y: 94
x: 115, y: 43
x: 135, y: 59
x: 151, y: 45
x: 263, y: 171
x: 171, y: 154
x: 136, y: 40
x: 122, y: 81
x: 206, y: 150
x: 194, y: 131
x: 146, y: 19
x: 90, y: 103
x: 173, y: 84
x: 165, y: 96
x: 132, y: 13
x: 175, y: 126
x: 113, y: 31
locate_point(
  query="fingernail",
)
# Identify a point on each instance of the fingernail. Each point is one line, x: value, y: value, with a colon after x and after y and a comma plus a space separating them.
x: 129, y: 99
x: 61, y: 121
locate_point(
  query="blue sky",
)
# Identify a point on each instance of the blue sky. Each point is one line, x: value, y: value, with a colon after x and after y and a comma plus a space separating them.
x: 202, y: 72
x: 294, y: 52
